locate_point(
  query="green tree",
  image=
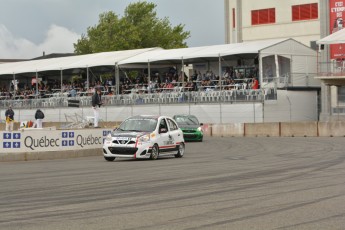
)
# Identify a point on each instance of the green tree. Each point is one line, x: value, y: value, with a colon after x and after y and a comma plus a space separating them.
x: 138, y: 28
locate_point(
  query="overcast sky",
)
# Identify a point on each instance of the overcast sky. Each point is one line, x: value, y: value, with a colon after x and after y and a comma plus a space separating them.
x: 29, y: 27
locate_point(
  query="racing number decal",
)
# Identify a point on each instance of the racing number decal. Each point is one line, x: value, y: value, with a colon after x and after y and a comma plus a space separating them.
x: 170, y: 141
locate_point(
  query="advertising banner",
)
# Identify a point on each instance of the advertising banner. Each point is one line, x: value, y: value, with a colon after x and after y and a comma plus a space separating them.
x: 53, y: 140
x: 337, y: 15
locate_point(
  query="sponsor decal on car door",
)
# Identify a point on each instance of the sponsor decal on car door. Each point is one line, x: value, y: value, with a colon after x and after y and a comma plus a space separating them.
x: 166, y: 140
x: 174, y: 132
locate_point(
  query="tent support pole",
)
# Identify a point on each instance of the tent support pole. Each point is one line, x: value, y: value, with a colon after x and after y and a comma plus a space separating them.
x: 182, y: 74
x: 87, y: 78
x: 277, y: 71
x: 149, y: 71
x: 220, y: 71
x: 117, y: 78
x: 61, y: 80
x: 14, y: 82
x: 36, y: 84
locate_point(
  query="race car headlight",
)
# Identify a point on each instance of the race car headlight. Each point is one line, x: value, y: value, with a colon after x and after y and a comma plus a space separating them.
x: 200, y: 129
x: 144, y: 138
x: 108, y: 138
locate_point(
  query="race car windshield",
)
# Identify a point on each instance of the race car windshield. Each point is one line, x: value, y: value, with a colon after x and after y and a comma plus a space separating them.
x: 139, y: 125
x: 187, y: 120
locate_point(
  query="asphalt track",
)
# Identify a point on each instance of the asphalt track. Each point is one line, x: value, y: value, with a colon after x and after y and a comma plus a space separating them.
x: 222, y: 183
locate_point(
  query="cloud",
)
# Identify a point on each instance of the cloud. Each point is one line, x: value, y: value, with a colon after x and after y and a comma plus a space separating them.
x: 57, y: 40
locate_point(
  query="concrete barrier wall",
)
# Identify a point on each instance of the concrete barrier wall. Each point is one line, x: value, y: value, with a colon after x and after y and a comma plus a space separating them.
x: 299, y: 129
x: 276, y: 129
x: 228, y: 130
x: 262, y: 130
x: 332, y: 129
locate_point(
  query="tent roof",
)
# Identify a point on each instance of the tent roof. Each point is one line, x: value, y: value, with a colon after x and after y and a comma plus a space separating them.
x: 152, y: 55
x: 62, y: 63
x: 335, y: 38
x: 213, y: 51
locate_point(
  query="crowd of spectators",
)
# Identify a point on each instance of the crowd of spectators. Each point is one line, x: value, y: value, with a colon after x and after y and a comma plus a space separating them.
x: 197, y: 82
x: 49, y: 89
x: 171, y: 80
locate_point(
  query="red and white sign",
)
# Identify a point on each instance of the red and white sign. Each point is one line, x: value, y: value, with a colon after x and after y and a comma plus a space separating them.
x: 337, y: 18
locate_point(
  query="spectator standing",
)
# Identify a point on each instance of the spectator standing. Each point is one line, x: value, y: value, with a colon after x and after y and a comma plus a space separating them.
x: 255, y: 83
x: 96, y: 104
x: 9, y: 114
x: 39, y: 116
x: 73, y: 92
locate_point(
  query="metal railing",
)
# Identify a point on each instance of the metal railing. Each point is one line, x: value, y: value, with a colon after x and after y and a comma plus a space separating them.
x: 173, y: 97
x: 334, y: 68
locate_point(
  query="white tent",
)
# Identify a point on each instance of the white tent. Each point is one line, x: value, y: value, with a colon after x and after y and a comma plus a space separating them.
x: 203, y: 52
x: 297, y: 55
x: 137, y: 56
x: 288, y: 58
x: 335, y: 38
x: 71, y: 62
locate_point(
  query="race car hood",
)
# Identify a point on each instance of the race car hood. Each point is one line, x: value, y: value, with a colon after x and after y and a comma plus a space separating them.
x: 130, y: 134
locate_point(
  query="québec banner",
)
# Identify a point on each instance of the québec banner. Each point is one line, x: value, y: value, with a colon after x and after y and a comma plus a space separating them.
x: 53, y: 140
x: 337, y: 9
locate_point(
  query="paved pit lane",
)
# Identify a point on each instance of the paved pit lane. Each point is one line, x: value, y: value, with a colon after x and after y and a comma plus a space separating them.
x: 222, y: 183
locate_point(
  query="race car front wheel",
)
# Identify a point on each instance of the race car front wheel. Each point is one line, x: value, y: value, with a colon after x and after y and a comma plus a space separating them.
x: 180, y: 151
x: 154, y: 152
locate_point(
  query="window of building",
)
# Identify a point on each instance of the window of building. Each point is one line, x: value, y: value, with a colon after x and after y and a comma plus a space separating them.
x: 305, y: 12
x: 263, y: 16
x: 341, y: 95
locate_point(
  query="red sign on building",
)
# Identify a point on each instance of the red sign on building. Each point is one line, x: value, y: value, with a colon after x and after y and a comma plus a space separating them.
x: 337, y: 15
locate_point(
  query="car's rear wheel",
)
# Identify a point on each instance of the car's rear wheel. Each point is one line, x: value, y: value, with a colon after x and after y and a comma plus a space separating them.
x: 154, y: 152
x: 180, y: 151
x: 109, y: 158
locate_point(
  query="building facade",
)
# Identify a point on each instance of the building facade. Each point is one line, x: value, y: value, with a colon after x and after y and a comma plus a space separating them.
x: 305, y: 21
x: 247, y: 20
x: 331, y: 63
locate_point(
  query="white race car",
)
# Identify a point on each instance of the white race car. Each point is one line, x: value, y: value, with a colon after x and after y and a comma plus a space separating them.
x: 145, y: 136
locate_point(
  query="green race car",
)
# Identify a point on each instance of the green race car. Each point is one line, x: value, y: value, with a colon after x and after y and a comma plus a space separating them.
x: 190, y: 126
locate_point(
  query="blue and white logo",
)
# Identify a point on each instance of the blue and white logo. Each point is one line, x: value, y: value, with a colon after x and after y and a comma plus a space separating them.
x: 67, y: 139
x: 7, y: 136
x: 11, y: 140
x: 16, y: 136
x: 7, y: 145
x: 106, y: 132
x: 64, y: 143
x: 16, y: 145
